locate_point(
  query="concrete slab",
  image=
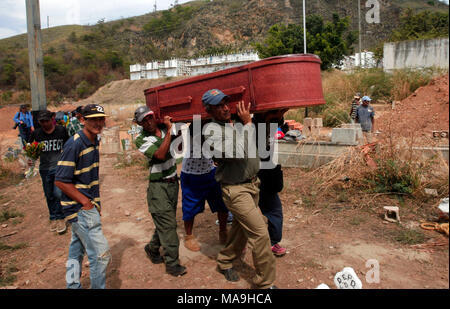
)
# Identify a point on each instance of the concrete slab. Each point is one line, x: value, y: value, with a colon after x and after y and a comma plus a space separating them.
x: 308, y: 154
x: 344, y: 136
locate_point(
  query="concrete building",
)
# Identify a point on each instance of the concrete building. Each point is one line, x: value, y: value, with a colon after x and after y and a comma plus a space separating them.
x: 351, y: 62
x: 416, y: 54
x: 190, y: 67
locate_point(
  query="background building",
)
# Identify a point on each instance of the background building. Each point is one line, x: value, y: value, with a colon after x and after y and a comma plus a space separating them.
x: 190, y: 67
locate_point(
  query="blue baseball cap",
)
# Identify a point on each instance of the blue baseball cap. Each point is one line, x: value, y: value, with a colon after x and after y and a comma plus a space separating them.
x: 366, y: 98
x: 213, y: 97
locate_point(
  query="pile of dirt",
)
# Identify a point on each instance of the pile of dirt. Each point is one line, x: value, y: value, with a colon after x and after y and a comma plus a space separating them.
x: 124, y: 91
x: 425, y: 111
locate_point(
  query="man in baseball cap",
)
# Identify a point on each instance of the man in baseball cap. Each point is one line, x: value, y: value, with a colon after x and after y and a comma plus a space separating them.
x: 77, y: 175
x: 365, y: 115
x: 240, y: 190
x: 53, y: 138
x: 162, y: 192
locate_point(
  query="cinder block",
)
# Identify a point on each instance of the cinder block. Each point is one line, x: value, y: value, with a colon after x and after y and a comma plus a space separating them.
x: 392, y: 214
x: 344, y: 136
x: 298, y: 126
x: 308, y: 122
x: 315, y: 131
x: 357, y: 127
x: 306, y: 131
x: 318, y: 122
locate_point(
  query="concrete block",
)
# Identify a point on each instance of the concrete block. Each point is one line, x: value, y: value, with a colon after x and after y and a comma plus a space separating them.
x: 298, y: 126
x: 392, y: 214
x: 344, y: 136
x: 357, y: 127
x: 306, y: 131
x: 318, y: 122
x: 315, y: 131
x: 308, y: 122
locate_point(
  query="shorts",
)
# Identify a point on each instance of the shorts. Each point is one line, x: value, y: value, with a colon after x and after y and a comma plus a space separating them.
x: 196, y: 189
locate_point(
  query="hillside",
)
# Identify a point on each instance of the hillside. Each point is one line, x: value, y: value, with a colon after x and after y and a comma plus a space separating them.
x: 80, y: 59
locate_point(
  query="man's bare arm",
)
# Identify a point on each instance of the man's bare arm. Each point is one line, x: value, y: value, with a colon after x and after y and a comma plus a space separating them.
x: 72, y: 192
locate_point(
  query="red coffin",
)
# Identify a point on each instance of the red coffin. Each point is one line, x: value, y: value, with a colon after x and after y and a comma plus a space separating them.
x: 290, y: 81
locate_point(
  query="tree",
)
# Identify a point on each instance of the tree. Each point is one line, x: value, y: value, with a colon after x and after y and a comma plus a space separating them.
x: 8, y: 74
x: 114, y: 59
x: 72, y: 38
x: 330, y: 41
x: 424, y: 25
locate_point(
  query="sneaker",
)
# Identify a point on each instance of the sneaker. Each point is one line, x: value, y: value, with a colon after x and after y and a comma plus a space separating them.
x: 223, y: 235
x: 155, y: 257
x: 53, y: 226
x: 278, y: 250
x: 176, y: 270
x: 230, y: 274
x: 191, y: 243
x: 61, y: 226
x: 229, y: 221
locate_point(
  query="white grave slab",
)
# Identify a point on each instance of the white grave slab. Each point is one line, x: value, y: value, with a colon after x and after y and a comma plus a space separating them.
x: 323, y: 286
x: 347, y: 280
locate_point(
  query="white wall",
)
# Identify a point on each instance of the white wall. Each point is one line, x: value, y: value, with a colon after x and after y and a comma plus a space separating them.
x: 416, y: 54
x: 179, y: 67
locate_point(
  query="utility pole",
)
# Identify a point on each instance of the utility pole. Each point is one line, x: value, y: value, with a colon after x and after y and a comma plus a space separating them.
x: 37, y: 81
x: 359, y: 31
x: 304, y: 28
x: 154, y: 7
x: 48, y: 22
x: 304, y: 42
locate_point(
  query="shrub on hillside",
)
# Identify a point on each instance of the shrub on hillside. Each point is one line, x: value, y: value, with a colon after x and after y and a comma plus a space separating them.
x: 84, y: 89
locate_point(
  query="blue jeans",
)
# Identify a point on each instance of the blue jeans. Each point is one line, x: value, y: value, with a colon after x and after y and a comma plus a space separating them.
x: 87, y: 237
x: 24, y: 133
x: 52, y: 194
x: 270, y: 205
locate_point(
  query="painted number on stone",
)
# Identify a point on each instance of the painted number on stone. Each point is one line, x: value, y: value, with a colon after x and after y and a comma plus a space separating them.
x: 347, y: 279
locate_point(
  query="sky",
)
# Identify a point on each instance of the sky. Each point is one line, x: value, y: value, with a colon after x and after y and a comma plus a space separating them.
x: 68, y: 12
x: 80, y: 12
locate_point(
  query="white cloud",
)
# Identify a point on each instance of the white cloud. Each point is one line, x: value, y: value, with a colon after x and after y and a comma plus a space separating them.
x: 5, y: 32
x: 69, y: 12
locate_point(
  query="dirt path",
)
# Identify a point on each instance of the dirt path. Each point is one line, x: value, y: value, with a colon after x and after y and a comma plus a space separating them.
x: 320, y: 240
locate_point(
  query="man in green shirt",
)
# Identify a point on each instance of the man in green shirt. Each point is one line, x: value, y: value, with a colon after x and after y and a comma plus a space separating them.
x: 74, y: 124
x: 162, y: 193
x: 235, y: 153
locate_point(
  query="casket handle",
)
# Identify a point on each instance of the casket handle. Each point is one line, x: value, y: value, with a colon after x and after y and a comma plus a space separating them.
x: 233, y: 91
x: 176, y: 102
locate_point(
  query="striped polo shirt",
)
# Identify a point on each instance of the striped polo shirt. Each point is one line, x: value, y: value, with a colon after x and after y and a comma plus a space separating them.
x: 148, y: 144
x: 79, y: 165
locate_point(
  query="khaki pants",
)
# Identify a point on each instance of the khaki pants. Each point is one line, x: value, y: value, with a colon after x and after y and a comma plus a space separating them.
x: 250, y: 225
x: 368, y: 137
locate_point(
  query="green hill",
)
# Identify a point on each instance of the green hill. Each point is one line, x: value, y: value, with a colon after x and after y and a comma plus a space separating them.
x: 80, y: 59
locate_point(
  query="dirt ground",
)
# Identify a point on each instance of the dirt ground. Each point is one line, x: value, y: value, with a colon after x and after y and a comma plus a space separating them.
x: 322, y: 237
x: 321, y: 241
